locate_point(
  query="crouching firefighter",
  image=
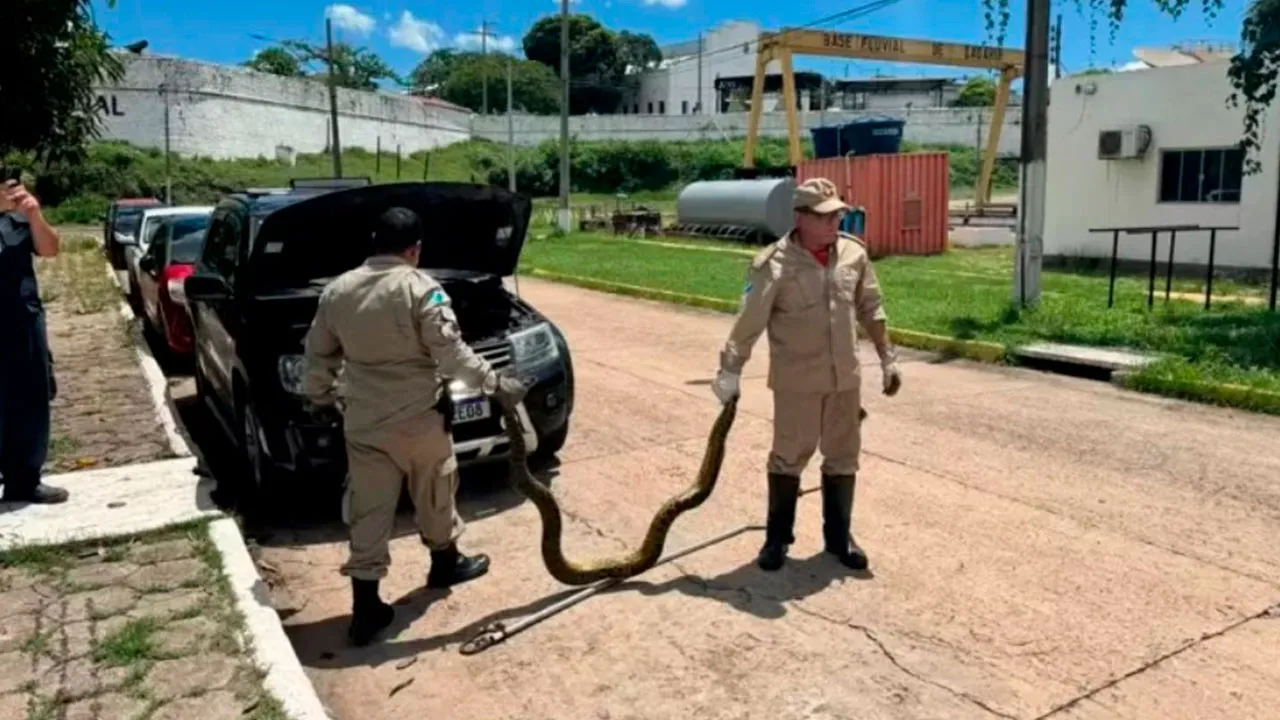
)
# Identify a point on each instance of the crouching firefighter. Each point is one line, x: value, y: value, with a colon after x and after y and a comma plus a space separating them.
x: 392, y: 331
x: 810, y: 291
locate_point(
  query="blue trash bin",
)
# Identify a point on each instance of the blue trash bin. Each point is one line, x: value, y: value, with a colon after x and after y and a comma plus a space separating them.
x: 826, y: 141
x: 854, y: 222
x: 872, y: 136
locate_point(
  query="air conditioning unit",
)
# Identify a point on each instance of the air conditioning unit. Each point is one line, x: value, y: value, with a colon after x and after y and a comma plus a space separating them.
x: 1124, y: 143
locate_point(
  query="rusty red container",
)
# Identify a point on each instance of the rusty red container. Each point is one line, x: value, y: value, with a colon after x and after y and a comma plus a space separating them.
x: 905, y: 195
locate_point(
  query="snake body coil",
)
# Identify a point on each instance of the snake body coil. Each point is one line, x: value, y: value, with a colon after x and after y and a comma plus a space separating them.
x: 650, y: 550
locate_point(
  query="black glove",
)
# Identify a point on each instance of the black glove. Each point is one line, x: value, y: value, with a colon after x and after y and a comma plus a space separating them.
x: 509, y: 392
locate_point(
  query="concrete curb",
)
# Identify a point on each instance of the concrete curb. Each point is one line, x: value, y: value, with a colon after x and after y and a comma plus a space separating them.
x: 285, y: 679
x: 155, y: 377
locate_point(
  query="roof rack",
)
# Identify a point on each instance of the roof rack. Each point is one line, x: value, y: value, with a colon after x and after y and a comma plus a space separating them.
x: 329, y: 183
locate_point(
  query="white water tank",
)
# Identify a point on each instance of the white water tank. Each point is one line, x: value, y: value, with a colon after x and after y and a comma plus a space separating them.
x: 762, y: 204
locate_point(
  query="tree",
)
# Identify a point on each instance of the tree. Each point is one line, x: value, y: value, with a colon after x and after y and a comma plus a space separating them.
x: 638, y: 51
x: 355, y: 68
x: 1253, y: 72
x: 458, y: 77
x: 276, y: 61
x: 50, y: 106
x: 595, y: 61
x: 978, y: 91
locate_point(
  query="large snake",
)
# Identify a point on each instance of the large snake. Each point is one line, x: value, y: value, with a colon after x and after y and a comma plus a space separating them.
x: 650, y: 550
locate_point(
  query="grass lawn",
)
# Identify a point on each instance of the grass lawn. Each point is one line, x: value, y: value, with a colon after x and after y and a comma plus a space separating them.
x: 966, y: 294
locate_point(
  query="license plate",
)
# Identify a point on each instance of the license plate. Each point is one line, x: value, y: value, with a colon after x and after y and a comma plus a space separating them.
x: 471, y: 410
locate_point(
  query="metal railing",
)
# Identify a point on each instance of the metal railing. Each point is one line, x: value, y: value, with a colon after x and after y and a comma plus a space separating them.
x: 1154, y: 231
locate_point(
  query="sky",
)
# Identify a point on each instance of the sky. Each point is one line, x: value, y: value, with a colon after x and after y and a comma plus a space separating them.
x: 404, y: 32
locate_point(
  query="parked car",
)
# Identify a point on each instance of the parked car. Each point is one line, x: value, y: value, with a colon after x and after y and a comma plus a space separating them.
x: 172, y: 251
x: 265, y: 261
x: 148, y: 225
x: 121, y: 221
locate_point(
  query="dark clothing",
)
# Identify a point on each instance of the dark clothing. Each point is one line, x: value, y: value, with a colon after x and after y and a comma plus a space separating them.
x: 24, y: 361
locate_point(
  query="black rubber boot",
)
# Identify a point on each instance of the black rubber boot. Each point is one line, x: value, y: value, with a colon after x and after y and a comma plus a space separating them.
x: 784, y: 491
x: 837, y: 516
x: 450, y: 567
x: 369, y: 615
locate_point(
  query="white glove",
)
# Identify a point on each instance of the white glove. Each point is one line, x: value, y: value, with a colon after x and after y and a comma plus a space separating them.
x: 725, y: 386
x: 889, y: 371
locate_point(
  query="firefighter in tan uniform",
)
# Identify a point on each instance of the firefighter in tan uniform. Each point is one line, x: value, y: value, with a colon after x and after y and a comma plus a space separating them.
x: 810, y: 291
x: 391, y: 330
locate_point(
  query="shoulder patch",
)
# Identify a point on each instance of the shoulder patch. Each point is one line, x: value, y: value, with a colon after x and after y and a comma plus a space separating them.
x: 436, y: 297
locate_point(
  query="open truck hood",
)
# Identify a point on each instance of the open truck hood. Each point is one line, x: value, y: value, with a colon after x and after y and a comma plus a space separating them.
x: 467, y: 227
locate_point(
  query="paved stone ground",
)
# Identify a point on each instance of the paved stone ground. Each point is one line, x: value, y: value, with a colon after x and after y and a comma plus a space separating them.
x: 139, y: 628
x: 1042, y: 548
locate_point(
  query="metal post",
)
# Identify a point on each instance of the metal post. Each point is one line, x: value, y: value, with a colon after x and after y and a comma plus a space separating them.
x: 168, y: 159
x: 336, y: 146
x: 511, y: 135
x: 1168, y: 271
x: 1057, y: 47
x: 484, y: 68
x: 426, y: 165
x: 697, y: 106
x: 565, y: 217
x: 822, y: 104
x: 1115, y: 250
x: 1275, y: 251
x: 377, y: 158
x: 1035, y: 106
x: 1208, y: 278
x: 1151, y: 279
x: 397, y: 161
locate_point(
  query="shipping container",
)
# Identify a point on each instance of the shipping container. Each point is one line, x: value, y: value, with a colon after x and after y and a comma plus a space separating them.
x: 905, y: 197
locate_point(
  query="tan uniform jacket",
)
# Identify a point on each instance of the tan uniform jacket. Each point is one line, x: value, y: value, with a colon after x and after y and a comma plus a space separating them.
x: 811, y: 314
x: 392, y: 331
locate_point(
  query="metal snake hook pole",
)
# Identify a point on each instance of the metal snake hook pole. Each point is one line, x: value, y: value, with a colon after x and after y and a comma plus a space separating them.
x: 495, y: 633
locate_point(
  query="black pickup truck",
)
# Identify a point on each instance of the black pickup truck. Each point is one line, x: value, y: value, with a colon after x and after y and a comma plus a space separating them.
x: 267, y: 256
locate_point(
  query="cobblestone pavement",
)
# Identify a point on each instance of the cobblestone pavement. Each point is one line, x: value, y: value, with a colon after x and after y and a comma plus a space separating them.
x: 138, y: 628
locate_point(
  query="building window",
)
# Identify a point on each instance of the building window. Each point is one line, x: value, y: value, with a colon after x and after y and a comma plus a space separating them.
x: 650, y: 108
x: 684, y: 107
x: 1201, y: 176
x: 662, y: 107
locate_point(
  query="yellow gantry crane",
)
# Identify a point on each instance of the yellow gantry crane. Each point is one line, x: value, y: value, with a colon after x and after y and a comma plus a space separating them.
x: 782, y: 45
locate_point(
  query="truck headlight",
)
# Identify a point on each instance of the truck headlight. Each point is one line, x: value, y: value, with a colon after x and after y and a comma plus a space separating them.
x: 534, y: 347
x: 292, y: 370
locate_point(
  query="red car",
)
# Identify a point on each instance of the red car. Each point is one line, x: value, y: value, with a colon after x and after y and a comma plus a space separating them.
x: 170, y: 257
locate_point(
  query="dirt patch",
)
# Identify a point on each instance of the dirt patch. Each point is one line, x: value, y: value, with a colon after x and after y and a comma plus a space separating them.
x: 103, y: 415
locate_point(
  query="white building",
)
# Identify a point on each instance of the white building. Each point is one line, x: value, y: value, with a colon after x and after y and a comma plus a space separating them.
x: 728, y: 49
x: 1189, y: 174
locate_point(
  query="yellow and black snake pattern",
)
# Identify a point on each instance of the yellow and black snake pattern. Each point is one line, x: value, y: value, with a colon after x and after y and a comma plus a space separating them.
x: 650, y: 550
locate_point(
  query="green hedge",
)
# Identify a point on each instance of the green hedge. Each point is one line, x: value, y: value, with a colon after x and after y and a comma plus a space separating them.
x: 116, y: 169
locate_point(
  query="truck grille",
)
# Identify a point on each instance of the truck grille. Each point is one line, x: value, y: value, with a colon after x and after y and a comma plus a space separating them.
x: 497, y: 354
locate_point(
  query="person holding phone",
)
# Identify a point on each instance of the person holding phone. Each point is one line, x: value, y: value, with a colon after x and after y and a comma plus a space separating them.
x: 25, y: 382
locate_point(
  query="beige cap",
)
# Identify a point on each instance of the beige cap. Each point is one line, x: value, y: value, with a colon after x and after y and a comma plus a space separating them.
x: 818, y: 195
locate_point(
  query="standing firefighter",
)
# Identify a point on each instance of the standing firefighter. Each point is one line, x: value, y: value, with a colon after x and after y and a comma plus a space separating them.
x: 25, y: 378
x: 393, y: 332
x: 811, y: 290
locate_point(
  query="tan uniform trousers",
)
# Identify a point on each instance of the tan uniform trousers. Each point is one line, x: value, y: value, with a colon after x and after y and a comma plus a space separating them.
x: 804, y: 422
x: 379, y: 461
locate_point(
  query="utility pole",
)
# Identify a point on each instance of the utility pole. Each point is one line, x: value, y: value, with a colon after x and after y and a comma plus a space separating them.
x: 565, y: 216
x: 168, y: 175
x: 1035, y: 115
x: 1057, y: 47
x: 484, y: 68
x: 697, y: 106
x: 511, y: 135
x: 336, y: 146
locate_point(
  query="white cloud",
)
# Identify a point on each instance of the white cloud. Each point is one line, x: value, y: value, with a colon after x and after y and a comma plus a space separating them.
x: 415, y: 34
x: 471, y: 41
x: 666, y: 3
x: 347, y: 18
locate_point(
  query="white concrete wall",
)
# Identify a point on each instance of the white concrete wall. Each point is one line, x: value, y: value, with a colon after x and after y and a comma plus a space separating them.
x: 1186, y: 109
x: 228, y: 112
x: 949, y: 126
